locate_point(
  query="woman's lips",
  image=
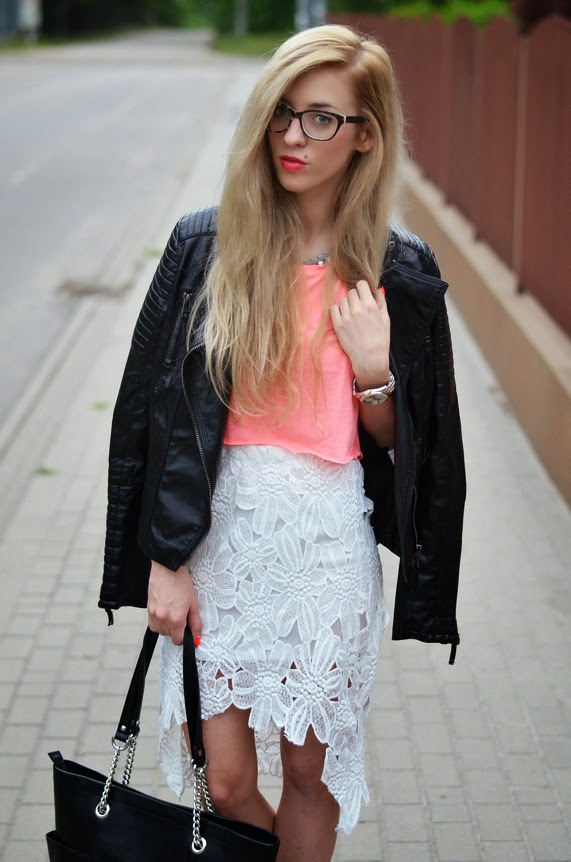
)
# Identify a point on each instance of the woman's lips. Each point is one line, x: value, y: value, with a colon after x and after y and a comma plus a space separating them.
x: 292, y: 164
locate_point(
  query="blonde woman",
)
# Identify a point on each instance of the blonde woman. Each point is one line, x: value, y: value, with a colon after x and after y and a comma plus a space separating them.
x: 288, y: 403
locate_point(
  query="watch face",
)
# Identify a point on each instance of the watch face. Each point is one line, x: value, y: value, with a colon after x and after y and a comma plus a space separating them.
x: 374, y: 399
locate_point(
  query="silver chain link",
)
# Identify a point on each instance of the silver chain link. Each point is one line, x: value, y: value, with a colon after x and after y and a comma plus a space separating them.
x: 198, y: 842
x: 129, y: 762
x: 102, y: 808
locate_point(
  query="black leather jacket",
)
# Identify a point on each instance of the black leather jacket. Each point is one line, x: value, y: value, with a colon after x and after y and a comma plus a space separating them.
x: 168, y: 427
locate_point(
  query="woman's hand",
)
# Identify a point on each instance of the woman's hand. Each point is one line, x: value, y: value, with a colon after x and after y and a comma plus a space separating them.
x: 362, y: 325
x: 172, y: 602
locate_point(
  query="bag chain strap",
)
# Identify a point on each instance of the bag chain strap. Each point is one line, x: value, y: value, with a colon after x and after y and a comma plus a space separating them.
x: 102, y: 809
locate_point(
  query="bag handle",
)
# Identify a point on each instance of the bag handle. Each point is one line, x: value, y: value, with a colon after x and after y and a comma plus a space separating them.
x: 128, y: 727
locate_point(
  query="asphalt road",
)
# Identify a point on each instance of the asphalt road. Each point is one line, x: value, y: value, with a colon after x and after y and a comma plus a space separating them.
x: 95, y: 141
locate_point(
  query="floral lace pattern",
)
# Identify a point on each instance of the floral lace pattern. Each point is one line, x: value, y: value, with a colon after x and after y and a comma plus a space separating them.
x: 289, y: 584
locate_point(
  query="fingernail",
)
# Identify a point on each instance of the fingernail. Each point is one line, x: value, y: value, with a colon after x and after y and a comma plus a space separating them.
x: 382, y: 289
x: 197, y: 641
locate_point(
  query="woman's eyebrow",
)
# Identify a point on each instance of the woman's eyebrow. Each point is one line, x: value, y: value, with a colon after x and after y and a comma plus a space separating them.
x: 313, y: 105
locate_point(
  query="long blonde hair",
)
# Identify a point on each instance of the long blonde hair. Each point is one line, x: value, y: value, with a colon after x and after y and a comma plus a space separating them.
x: 252, y: 323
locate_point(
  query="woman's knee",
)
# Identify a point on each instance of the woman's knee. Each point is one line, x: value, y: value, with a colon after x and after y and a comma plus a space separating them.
x: 229, y: 787
x: 303, y: 764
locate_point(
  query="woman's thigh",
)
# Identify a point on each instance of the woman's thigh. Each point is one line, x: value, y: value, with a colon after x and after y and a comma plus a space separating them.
x: 232, y: 767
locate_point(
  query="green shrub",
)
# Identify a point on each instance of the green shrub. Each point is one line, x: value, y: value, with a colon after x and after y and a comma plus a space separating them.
x: 263, y: 15
x: 477, y: 11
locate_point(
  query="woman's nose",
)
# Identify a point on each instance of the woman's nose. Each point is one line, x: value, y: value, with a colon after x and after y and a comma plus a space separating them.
x: 294, y: 134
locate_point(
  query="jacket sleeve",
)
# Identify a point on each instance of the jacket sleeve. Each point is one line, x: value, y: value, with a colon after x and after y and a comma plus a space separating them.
x: 440, y: 496
x: 129, y: 439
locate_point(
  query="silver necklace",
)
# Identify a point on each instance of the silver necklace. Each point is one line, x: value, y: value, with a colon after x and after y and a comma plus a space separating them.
x: 320, y: 260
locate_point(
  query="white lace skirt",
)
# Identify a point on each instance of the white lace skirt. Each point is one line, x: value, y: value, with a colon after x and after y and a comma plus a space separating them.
x: 289, y: 585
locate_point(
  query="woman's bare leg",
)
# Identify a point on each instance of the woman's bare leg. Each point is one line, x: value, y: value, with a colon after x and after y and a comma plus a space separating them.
x: 232, y: 769
x: 307, y: 814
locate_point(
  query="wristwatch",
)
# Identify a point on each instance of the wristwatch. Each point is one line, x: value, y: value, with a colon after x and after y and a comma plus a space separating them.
x: 378, y: 395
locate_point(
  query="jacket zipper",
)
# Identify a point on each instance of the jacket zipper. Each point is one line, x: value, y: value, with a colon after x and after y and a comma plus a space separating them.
x: 418, y: 547
x: 198, y: 438
x: 176, y: 330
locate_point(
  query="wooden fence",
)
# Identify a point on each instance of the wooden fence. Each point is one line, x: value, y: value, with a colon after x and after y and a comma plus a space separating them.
x: 489, y: 120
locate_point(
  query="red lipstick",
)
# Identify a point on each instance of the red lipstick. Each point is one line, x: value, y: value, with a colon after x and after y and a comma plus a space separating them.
x: 290, y: 163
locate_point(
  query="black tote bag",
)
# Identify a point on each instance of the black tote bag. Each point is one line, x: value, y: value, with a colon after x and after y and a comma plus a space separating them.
x: 98, y: 819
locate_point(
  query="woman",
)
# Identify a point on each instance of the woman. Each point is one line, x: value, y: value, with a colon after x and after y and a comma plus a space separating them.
x: 251, y: 472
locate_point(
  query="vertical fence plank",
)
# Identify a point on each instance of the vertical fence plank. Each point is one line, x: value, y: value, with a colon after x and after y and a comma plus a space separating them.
x: 543, y: 259
x: 496, y: 76
x: 464, y: 167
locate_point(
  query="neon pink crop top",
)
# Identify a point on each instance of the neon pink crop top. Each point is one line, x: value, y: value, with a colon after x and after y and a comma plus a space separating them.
x: 325, y: 422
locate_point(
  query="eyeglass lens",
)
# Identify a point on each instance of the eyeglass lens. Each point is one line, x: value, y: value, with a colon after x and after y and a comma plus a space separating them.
x: 316, y: 124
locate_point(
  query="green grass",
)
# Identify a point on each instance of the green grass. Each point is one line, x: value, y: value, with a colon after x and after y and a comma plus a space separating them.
x: 477, y: 11
x: 252, y: 45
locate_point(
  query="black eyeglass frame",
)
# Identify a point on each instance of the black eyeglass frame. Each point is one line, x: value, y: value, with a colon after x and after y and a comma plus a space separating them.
x: 298, y: 115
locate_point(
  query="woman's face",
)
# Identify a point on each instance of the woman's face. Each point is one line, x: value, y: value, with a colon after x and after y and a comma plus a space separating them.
x: 316, y: 168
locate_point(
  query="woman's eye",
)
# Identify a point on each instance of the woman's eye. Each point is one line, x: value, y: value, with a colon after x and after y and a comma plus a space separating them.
x: 281, y: 111
x: 322, y: 119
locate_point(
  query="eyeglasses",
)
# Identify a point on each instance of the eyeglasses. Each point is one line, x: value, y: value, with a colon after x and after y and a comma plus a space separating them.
x: 317, y: 125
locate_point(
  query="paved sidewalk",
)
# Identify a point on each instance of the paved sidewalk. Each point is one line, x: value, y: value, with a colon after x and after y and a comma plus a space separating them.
x: 466, y: 763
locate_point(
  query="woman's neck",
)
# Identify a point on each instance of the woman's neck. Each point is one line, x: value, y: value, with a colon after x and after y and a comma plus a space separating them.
x: 316, y: 226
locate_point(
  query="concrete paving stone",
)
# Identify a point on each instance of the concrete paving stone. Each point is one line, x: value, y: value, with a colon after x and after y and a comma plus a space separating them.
x: 444, y: 795
x: 7, y: 804
x: 525, y: 769
x: 551, y: 720
x: 79, y: 670
x: 394, y: 754
x: 46, y: 565
x: 550, y: 842
x: 390, y: 696
x: 45, y: 659
x: 26, y: 851
x: 31, y: 822
x: 457, y: 813
x: 72, y: 695
x: 556, y: 751
x: 455, y: 842
x: 39, y: 787
x: 53, y: 636
x: 439, y: 769
x: 86, y: 646
x: 406, y: 852
x: 562, y: 781
x: 12, y: 768
x: 497, y: 823
x: 27, y: 710
x: 40, y: 676
x: 477, y: 753
x: 417, y: 682
x: 504, y: 851
x: 364, y: 844
x: 543, y: 813
x: 64, y: 722
x: 425, y: 710
x: 16, y: 646
x: 399, y: 786
x: 11, y: 669
x: 431, y: 738
x: 516, y: 738
x: 19, y: 740
x: 405, y: 823
x: 58, y: 616
x: 115, y: 682
x: 68, y: 594
x: 7, y: 691
x: 485, y: 785
x: 387, y: 724
x: 23, y: 624
x: 469, y: 723
x: 461, y: 695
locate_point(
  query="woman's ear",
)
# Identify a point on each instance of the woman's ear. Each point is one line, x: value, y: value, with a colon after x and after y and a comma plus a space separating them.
x: 365, y: 138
